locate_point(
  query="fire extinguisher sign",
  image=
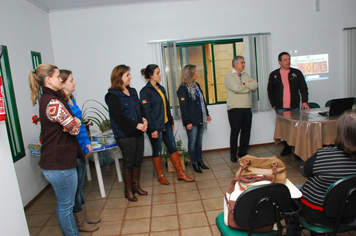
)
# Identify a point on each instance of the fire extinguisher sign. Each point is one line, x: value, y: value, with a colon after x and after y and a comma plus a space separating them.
x: 2, y: 102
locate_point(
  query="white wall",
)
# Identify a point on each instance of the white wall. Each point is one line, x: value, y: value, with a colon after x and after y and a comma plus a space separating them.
x: 92, y: 41
x: 25, y: 28
x: 12, y: 215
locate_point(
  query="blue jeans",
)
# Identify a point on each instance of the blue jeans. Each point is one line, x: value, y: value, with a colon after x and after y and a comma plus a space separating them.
x: 285, y: 109
x: 195, y: 140
x: 65, y: 184
x: 79, y: 196
x: 167, y: 137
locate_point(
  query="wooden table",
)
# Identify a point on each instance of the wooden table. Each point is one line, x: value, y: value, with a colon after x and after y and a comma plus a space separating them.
x: 306, y: 131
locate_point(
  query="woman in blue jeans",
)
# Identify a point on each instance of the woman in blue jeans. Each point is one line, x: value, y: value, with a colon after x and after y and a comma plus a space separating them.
x: 195, y: 114
x: 84, y: 223
x: 160, y: 123
x: 60, y: 148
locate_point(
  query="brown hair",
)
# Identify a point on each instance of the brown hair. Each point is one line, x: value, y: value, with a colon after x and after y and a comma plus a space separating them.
x: 116, y: 76
x: 64, y: 74
x: 36, y: 78
x: 187, y: 74
x: 346, y: 133
x: 148, y: 71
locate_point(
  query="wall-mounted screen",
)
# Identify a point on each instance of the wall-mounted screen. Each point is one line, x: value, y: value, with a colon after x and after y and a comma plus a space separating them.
x: 314, y: 67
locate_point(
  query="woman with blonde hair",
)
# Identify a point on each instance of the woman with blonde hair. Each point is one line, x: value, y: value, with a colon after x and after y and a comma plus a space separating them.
x: 160, y: 123
x: 195, y: 114
x: 128, y: 123
x: 60, y: 148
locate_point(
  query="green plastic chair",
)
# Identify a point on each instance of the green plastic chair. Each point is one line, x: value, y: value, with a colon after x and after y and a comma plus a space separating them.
x: 328, y: 103
x: 258, y: 207
x: 339, y: 203
x: 313, y: 105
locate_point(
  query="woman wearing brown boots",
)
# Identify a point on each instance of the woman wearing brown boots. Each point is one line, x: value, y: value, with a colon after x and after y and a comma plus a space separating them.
x: 128, y: 124
x: 160, y: 123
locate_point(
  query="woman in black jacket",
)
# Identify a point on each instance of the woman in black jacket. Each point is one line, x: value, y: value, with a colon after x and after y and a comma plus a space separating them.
x: 195, y: 114
x: 160, y: 123
x: 128, y: 124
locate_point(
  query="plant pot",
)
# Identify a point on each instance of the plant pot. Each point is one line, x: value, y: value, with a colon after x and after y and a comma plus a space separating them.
x: 170, y: 164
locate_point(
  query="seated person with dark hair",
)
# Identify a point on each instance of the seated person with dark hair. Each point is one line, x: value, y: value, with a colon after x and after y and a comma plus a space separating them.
x: 327, y: 166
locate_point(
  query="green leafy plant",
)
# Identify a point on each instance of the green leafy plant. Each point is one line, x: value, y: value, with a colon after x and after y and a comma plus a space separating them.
x: 94, y: 114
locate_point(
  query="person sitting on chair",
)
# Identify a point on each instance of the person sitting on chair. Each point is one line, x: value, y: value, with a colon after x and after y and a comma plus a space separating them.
x: 327, y: 166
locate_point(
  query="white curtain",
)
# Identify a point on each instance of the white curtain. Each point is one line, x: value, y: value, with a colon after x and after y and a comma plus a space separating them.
x: 171, y: 67
x: 258, y: 68
x: 350, y: 36
x: 263, y: 48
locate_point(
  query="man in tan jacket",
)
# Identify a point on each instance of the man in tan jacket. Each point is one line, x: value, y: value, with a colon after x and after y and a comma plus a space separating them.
x: 238, y: 86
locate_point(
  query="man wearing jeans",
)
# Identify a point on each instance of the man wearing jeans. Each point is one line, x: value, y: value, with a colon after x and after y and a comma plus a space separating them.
x: 284, y: 86
x: 238, y: 86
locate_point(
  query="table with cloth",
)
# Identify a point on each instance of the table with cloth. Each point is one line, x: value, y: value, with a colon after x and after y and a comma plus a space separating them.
x: 307, y: 131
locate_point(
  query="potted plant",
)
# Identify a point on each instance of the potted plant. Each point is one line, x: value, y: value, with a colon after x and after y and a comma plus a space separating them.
x: 95, y: 114
x: 183, y: 153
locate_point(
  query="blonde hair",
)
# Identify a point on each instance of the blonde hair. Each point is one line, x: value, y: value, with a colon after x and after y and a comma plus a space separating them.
x: 187, y: 74
x: 36, y: 79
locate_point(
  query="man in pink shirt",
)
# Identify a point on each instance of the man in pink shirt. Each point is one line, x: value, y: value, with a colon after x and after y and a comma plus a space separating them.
x: 286, y: 86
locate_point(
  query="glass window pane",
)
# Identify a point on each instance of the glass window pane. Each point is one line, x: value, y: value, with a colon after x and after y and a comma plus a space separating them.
x: 194, y: 55
x: 223, y: 55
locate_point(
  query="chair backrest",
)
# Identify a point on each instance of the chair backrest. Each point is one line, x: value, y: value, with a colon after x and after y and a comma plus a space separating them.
x: 328, y: 103
x: 262, y: 199
x: 313, y: 105
x: 340, y: 198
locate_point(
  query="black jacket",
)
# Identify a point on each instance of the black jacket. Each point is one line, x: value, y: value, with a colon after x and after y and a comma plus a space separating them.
x: 152, y: 103
x: 125, y: 112
x: 297, y: 85
x: 189, y: 107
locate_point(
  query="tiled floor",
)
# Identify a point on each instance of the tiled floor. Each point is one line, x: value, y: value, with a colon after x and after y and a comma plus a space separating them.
x: 177, y: 209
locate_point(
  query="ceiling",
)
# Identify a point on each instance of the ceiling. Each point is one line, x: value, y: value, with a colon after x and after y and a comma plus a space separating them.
x: 50, y: 5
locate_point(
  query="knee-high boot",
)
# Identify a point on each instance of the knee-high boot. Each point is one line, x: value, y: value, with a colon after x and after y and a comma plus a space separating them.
x: 128, y: 187
x: 157, y: 162
x: 179, y: 168
x: 136, y: 182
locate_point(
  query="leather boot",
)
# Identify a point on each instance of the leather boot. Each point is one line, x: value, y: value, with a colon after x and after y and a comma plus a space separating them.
x: 196, y: 168
x: 128, y: 187
x: 87, y: 219
x: 157, y: 162
x: 136, y: 182
x: 82, y: 225
x: 202, y: 165
x: 178, y: 166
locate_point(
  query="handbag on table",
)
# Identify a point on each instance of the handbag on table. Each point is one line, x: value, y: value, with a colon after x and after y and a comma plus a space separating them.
x: 253, y: 171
